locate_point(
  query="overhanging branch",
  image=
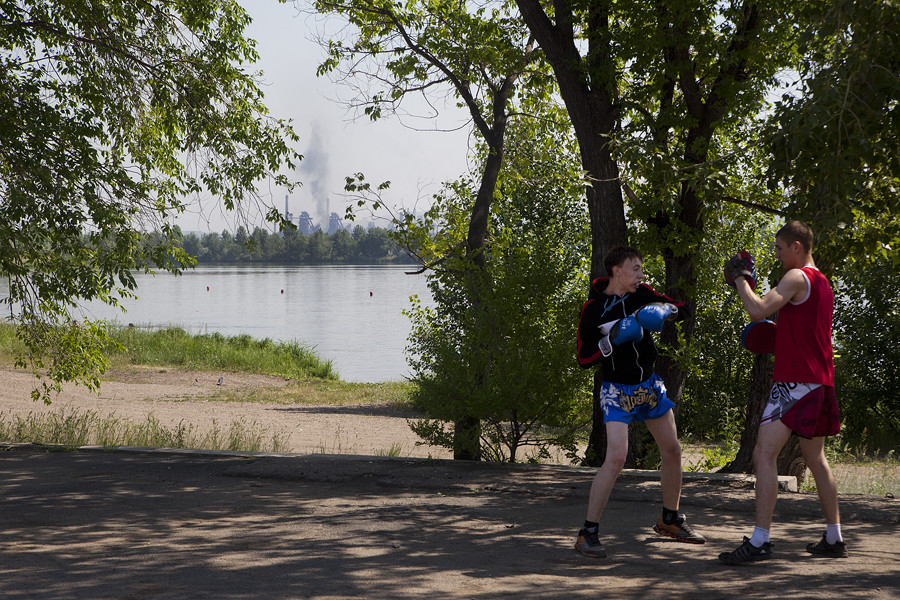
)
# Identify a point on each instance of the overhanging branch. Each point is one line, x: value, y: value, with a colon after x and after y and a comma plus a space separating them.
x: 731, y: 199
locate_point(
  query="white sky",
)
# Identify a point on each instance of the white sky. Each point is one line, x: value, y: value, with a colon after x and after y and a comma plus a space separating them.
x: 416, y: 162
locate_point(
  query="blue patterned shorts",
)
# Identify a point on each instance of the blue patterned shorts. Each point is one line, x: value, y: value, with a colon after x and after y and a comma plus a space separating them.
x: 625, y: 403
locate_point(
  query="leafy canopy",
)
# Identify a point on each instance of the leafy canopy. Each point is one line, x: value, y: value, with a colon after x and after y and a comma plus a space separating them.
x: 111, y: 115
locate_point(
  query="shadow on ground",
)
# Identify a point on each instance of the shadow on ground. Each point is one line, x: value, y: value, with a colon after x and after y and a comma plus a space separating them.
x: 94, y: 524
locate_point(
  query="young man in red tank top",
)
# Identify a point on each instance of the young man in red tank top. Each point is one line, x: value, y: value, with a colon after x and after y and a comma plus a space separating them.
x: 802, y: 399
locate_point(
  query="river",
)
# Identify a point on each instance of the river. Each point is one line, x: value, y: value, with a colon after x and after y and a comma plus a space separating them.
x: 350, y: 315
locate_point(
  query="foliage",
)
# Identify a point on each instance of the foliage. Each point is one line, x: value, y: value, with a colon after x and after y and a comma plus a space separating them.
x: 393, y: 52
x: 508, y: 359
x: 834, y: 134
x: 866, y: 327
x: 695, y: 84
x: 111, y: 115
x: 718, y: 367
x: 715, y: 457
x: 362, y: 246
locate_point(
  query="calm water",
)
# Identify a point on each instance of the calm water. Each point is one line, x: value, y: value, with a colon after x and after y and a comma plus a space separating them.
x: 350, y: 314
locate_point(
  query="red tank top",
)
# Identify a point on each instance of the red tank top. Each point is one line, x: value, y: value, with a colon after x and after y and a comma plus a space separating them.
x: 803, y: 352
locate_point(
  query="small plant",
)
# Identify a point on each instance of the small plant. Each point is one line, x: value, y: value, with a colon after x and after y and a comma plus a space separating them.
x: 714, y: 457
x: 718, y: 455
x: 394, y: 450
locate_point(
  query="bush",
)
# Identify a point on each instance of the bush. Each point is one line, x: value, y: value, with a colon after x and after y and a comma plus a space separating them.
x: 499, y: 344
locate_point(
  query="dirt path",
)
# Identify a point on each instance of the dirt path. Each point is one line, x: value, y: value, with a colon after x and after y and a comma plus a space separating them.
x: 158, y: 525
x: 174, y: 397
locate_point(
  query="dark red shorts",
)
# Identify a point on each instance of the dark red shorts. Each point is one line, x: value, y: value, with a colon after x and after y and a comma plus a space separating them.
x: 815, y: 414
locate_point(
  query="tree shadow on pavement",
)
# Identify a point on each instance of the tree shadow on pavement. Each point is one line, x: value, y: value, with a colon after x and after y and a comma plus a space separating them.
x: 153, y: 525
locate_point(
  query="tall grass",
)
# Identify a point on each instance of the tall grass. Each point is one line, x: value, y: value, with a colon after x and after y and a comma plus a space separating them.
x: 173, y: 346
x: 89, y: 428
x: 9, y: 344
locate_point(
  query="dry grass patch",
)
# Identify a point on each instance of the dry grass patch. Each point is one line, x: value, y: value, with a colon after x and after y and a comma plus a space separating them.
x: 324, y: 392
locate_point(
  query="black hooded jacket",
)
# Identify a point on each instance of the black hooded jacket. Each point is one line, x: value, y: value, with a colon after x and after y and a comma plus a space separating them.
x: 632, y: 362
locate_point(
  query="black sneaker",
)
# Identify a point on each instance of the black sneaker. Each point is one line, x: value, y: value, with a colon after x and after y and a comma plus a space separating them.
x: 746, y: 552
x: 679, y: 530
x: 823, y: 548
x: 588, y: 543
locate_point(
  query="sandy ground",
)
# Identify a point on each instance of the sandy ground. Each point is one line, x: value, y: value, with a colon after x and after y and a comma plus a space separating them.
x: 174, y: 397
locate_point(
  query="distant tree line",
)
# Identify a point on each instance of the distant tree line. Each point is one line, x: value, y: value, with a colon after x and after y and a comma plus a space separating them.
x: 359, y: 246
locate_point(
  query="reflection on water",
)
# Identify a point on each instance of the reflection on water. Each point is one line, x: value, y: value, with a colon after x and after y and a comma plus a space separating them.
x: 350, y: 314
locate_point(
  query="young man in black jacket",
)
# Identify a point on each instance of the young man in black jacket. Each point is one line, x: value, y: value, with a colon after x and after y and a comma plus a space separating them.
x: 614, y: 332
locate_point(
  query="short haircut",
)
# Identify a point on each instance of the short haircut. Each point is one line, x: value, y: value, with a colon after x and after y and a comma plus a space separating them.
x: 797, y: 231
x: 617, y: 256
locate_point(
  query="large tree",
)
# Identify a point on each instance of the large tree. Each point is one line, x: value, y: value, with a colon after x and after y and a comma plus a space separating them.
x: 655, y: 89
x: 509, y: 361
x: 111, y: 116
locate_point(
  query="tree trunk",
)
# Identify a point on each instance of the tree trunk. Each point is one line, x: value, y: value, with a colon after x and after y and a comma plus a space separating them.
x: 467, y: 428
x: 590, y: 103
x: 467, y: 438
x: 760, y: 386
x: 596, y: 448
x: 708, y: 109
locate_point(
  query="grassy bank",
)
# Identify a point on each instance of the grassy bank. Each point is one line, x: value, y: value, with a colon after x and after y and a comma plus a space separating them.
x: 314, y: 380
x: 175, y: 347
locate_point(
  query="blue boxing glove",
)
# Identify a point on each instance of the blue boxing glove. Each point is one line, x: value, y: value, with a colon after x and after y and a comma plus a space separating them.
x: 759, y: 337
x: 652, y: 316
x: 620, y: 332
x: 741, y: 265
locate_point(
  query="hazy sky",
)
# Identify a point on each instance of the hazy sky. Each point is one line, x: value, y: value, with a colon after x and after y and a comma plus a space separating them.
x: 415, y: 162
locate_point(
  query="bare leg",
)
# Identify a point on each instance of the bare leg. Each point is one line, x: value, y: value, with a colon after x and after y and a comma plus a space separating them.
x: 616, y: 451
x: 772, y: 437
x: 814, y: 454
x: 666, y: 435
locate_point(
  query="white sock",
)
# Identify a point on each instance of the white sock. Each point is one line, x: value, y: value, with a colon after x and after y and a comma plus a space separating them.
x: 760, y: 536
x: 833, y: 533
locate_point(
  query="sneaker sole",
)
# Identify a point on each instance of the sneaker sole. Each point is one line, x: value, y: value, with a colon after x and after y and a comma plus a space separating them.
x: 677, y: 538
x: 828, y: 554
x: 588, y: 553
x: 745, y: 561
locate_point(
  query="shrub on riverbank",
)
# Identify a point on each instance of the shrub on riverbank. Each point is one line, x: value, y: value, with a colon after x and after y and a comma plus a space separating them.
x: 174, y: 346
